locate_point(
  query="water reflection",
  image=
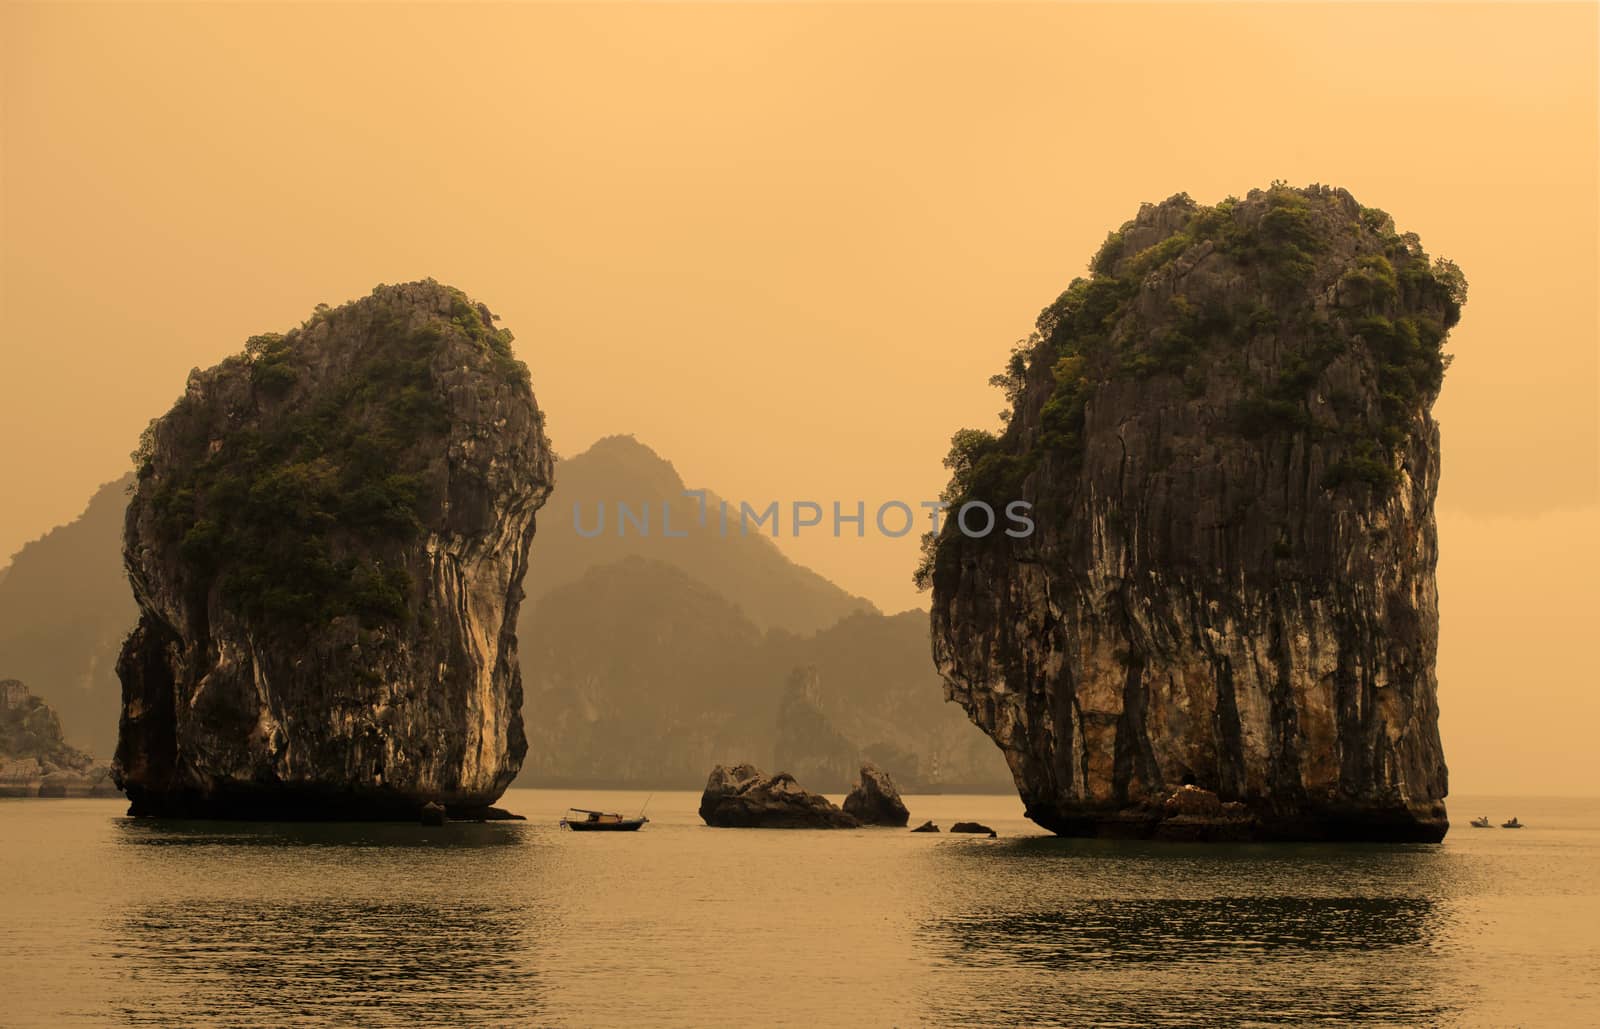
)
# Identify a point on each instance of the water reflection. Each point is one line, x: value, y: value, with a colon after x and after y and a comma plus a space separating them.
x: 325, y: 923
x: 1067, y: 932
x: 162, y: 832
x: 1225, y: 928
x: 325, y: 962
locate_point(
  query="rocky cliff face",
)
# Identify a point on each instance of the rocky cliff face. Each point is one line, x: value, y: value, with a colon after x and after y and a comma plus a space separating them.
x: 327, y: 543
x: 1225, y: 432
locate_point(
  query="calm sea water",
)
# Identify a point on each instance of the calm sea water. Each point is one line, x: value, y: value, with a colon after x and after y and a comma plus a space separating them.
x: 108, y: 920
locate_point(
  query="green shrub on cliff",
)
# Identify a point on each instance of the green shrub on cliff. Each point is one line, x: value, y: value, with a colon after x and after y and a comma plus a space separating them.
x: 979, y: 470
x: 1132, y: 319
x: 301, y: 518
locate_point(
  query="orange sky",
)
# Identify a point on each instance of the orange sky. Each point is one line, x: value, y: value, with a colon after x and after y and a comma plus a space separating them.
x: 787, y: 244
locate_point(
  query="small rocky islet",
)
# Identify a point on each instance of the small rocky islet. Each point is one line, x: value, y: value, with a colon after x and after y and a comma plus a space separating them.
x: 874, y: 800
x: 745, y: 797
x: 1225, y: 624
x: 326, y: 541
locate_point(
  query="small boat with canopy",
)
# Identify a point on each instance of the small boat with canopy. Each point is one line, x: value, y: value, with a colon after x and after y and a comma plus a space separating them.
x: 601, y: 821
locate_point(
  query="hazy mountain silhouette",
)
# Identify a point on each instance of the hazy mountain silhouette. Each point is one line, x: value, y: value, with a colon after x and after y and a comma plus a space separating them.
x: 65, y: 606
x: 639, y: 674
x: 877, y: 687
x: 749, y: 570
x: 645, y: 659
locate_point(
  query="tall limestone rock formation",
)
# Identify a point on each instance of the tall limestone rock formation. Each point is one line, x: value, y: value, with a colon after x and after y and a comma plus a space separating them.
x: 327, y: 544
x: 1225, y: 433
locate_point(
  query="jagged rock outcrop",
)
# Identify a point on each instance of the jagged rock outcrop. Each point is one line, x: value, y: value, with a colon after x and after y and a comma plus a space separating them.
x: 1225, y: 434
x: 327, y: 543
x: 927, y: 826
x: 35, y: 758
x: 874, y: 800
x: 744, y: 797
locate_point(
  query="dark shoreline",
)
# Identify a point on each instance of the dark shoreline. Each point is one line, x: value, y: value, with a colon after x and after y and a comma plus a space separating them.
x: 304, y: 804
x: 1329, y: 825
x: 620, y: 786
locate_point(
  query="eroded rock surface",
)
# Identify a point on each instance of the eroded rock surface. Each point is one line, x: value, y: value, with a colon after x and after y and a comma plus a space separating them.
x: 1226, y: 436
x: 327, y: 542
x: 874, y: 799
x: 745, y: 797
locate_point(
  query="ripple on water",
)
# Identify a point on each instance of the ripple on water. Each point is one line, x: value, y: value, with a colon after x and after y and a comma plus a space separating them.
x: 325, y: 962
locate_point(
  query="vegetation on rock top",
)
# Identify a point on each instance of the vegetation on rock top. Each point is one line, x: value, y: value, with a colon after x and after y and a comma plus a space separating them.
x: 296, y: 492
x: 1313, y: 267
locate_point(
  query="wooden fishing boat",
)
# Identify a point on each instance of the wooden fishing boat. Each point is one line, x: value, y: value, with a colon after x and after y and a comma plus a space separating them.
x: 601, y: 821
x: 1513, y: 824
x: 1481, y: 823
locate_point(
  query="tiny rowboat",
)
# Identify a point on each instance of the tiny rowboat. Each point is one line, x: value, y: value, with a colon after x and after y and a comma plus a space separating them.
x: 601, y: 821
x: 1481, y: 823
x: 1513, y: 824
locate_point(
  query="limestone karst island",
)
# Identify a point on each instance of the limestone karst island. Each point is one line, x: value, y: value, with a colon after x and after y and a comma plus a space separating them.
x: 1226, y: 624
x: 326, y: 542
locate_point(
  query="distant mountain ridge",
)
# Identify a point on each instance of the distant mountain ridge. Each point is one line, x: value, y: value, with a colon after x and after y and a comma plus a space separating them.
x: 638, y: 674
x: 645, y: 660
x: 772, y: 590
x: 65, y: 608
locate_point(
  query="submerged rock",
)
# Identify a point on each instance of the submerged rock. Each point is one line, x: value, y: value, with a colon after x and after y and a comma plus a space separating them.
x: 926, y: 827
x: 1226, y: 437
x: 327, y: 543
x: 745, y: 797
x: 874, y: 800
